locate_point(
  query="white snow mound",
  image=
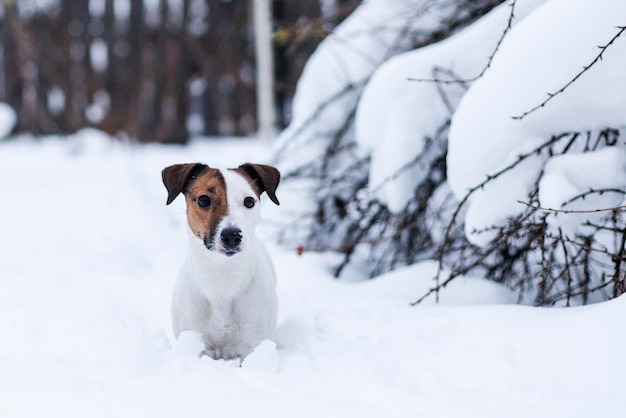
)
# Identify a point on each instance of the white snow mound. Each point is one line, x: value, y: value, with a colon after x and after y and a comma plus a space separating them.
x: 535, y: 59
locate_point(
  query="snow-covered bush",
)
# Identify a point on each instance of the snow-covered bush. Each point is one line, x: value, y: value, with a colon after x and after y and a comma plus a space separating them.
x: 543, y: 127
x: 319, y: 154
x: 461, y: 146
x: 568, y: 251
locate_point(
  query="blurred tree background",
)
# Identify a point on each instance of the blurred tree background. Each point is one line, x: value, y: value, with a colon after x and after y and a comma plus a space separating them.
x: 151, y: 70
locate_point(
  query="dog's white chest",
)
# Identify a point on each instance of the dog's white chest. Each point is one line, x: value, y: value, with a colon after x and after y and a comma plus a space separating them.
x: 222, y: 332
x: 233, y: 307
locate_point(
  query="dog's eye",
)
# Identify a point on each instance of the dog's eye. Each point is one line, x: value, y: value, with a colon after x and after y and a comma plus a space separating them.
x: 204, y: 201
x: 249, y: 202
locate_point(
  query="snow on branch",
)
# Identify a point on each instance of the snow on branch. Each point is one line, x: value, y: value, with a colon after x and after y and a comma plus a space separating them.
x: 457, y: 80
x: 586, y: 68
x: 576, y: 258
x: 530, y: 205
x: 319, y: 151
x: 401, y: 172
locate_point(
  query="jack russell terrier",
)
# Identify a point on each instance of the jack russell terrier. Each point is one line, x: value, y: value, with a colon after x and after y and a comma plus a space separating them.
x: 226, y: 288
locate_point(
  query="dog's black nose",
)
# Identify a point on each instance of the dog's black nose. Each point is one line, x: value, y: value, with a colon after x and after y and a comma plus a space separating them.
x: 231, y: 237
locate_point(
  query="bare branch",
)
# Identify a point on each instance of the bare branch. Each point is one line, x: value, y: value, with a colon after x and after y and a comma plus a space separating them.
x: 586, y: 68
x: 569, y: 210
x: 526, y: 256
x: 508, y: 27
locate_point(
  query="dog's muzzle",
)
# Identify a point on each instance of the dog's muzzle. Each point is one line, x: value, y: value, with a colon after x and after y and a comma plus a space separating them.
x: 231, y: 240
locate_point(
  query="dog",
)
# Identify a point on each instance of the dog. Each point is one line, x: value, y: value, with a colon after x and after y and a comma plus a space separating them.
x: 226, y: 288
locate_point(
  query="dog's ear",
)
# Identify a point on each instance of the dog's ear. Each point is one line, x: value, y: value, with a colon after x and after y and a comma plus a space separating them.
x: 264, y: 177
x: 176, y: 178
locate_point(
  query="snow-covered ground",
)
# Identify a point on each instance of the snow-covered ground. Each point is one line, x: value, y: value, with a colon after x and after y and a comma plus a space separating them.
x: 88, y: 257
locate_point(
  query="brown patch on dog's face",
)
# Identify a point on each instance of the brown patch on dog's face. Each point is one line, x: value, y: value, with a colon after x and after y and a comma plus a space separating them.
x: 206, y: 205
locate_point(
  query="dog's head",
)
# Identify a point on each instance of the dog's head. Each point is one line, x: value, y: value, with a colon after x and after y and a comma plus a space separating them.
x: 222, y: 205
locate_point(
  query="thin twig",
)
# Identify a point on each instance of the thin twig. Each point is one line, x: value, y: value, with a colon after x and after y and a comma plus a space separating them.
x: 566, y: 269
x: 618, y: 286
x: 571, y: 211
x: 600, y: 192
x: 508, y: 27
x: 576, y: 77
x: 491, y: 177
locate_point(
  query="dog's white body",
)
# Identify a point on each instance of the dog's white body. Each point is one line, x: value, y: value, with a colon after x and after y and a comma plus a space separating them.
x: 229, y: 298
x: 231, y: 302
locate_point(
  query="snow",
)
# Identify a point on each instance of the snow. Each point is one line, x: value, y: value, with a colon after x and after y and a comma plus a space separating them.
x: 533, y: 61
x: 90, y: 253
x: 401, y: 123
x: 97, y: 8
x: 56, y: 100
x: 98, y: 54
x: 8, y: 119
x: 28, y: 8
x: 568, y: 177
x: 396, y: 114
x: 334, y: 76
